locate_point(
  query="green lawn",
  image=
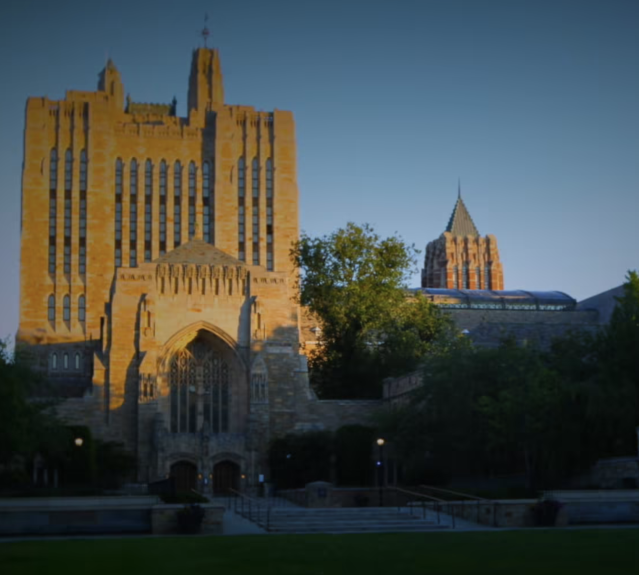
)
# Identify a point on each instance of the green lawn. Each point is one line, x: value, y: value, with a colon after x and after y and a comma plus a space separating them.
x: 543, y: 552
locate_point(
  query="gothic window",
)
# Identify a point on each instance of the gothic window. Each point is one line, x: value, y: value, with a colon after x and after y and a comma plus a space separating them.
x: 455, y: 277
x: 51, y: 308
x: 487, y: 281
x: 65, y: 361
x: 53, y: 185
x: 148, y: 203
x: 259, y: 383
x: 199, y: 382
x: 82, y: 239
x: 54, y: 361
x: 465, y: 282
x: 53, y: 170
x: 83, y: 170
x: 162, y: 207
x: 82, y: 308
x: 68, y: 170
x: 177, y: 204
x: 66, y: 308
x: 241, y: 217
x: 207, y: 223
x: 77, y: 361
x: 67, y: 232
x: 52, y: 230
x: 119, y: 168
x: 255, y: 174
x: 478, y: 277
x: 133, y: 214
x: 269, y: 214
x: 192, y: 176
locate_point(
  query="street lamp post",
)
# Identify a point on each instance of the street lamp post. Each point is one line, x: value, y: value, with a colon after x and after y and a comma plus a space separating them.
x: 380, y: 465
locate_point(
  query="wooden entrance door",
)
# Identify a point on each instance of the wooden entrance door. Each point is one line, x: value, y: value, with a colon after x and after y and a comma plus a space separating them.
x: 185, y: 475
x: 226, y: 475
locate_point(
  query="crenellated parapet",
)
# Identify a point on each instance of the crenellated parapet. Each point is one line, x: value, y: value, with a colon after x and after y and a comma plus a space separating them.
x: 211, y: 279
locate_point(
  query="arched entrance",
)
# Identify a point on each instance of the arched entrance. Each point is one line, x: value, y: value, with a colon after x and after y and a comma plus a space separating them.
x: 184, y: 474
x: 200, y: 387
x: 226, y: 475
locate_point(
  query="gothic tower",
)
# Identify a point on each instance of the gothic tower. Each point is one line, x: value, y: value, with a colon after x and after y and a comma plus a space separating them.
x: 461, y: 258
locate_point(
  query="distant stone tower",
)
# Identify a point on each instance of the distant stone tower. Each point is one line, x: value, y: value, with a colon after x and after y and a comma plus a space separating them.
x: 461, y: 258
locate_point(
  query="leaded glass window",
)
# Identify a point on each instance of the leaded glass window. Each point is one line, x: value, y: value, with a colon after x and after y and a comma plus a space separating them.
x: 269, y: 214
x: 241, y: 216
x: 255, y: 175
x: 199, y: 381
x: 119, y: 169
x: 192, y: 186
x: 133, y: 214
x: 177, y: 204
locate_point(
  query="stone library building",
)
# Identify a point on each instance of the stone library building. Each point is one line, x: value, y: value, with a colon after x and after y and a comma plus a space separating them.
x: 157, y: 292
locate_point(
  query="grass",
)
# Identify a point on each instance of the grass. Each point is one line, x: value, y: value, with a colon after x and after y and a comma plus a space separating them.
x: 583, y: 552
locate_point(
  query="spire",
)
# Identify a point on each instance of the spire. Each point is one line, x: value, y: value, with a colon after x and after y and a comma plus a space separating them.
x: 460, y: 223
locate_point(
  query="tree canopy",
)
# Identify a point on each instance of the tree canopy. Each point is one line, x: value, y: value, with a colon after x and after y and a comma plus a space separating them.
x: 354, y: 283
x: 520, y: 409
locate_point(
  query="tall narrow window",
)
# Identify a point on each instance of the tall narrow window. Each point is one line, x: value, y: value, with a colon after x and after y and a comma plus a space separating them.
x: 177, y: 204
x: 51, y: 308
x: 67, y: 232
x: 465, y: 278
x: 192, y: 175
x: 207, y: 234
x: 82, y: 240
x: 68, y: 179
x: 478, y: 277
x: 77, y: 361
x: 269, y: 214
x: 255, y: 180
x: 487, y: 282
x: 82, y: 309
x: 66, y: 308
x: 133, y: 214
x: 241, y: 216
x: 68, y: 170
x: 119, y: 168
x: 455, y: 277
x: 54, y: 361
x: 53, y: 186
x: 148, y: 206
x: 162, y: 207
x: 65, y: 361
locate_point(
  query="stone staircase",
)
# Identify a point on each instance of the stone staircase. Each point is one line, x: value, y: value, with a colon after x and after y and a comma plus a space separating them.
x: 352, y: 520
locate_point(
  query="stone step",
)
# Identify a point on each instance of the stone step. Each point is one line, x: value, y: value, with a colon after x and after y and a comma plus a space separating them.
x: 363, y: 528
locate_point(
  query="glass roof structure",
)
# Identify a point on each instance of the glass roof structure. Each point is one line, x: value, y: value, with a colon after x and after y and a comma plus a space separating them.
x: 505, y: 299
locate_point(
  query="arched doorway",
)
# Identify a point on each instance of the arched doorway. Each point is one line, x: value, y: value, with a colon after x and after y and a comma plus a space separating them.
x: 184, y: 474
x: 226, y: 475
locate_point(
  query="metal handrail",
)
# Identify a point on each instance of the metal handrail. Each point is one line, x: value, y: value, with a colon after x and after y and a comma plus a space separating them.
x: 255, y: 510
x: 454, y: 492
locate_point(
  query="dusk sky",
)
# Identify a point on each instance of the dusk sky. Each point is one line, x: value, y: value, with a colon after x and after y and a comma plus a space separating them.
x: 533, y: 104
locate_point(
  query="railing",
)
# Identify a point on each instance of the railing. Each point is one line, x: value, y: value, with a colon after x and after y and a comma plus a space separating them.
x: 415, y: 501
x: 256, y: 510
x: 468, y: 506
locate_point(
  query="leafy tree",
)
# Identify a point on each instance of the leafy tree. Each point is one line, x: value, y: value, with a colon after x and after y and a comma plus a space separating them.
x: 354, y: 283
x: 25, y: 425
x: 353, y: 455
x: 300, y: 458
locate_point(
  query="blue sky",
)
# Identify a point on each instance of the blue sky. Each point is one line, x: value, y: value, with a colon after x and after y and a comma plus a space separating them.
x: 533, y: 104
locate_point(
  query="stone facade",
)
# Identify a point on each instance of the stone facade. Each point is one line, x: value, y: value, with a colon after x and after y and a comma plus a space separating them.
x: 462, y: 259
x: 157, y: 291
